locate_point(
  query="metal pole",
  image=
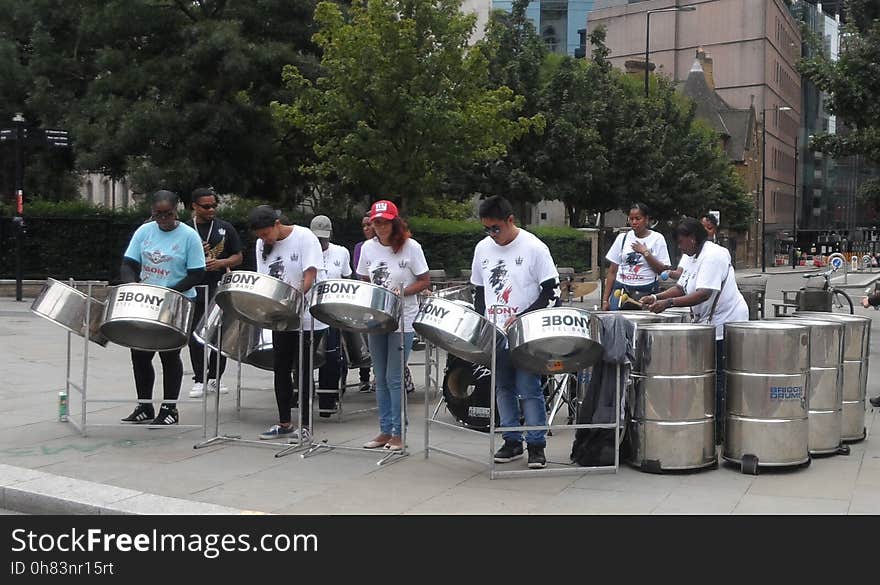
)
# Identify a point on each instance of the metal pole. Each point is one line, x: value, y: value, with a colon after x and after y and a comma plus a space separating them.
x: 206, y: 339
x: 428, y: 359
x: 794, y: 261
x: 647, y: 45
x: 403, y: 421
x: 87, y: 331
x: 763, y: 215
x: 492, y: 398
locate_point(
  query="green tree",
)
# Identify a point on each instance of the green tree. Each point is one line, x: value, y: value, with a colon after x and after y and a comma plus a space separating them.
x: 401, y: 101
x: 169, y: 93
x: 853, y: 86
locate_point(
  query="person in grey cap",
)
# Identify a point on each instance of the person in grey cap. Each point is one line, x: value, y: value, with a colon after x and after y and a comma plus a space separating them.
x: 337, y: 264
x: 290, y: 253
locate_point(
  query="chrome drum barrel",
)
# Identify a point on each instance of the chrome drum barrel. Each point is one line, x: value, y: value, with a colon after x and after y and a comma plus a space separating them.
x: 673, y: 397
x: 767, y: 374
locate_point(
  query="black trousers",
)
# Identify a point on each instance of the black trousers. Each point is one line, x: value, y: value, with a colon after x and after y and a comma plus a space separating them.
x: 333, y: 373
x: 364, y: 375
x: 285, y: 346
x: 197, y: 350
x: 145, y: 375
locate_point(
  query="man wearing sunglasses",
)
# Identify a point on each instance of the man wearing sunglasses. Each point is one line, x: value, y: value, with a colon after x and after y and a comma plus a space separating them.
x: 222, y: 253
x: 514, y: 273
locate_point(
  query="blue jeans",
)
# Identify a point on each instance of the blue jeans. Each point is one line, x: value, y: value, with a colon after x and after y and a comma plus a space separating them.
x: 513, y: 386
x: 648, y: 289
x: 385, y: 354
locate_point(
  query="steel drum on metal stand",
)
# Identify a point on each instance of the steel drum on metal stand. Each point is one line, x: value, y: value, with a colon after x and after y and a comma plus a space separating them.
x: 147, y: 317
x: 361, y: 307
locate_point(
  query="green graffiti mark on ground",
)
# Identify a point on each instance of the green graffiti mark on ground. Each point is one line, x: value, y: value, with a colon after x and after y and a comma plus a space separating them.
x: 85, y: 447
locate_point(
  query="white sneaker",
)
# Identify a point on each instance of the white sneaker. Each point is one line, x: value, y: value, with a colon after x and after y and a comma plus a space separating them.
x: 197, y: 391
x: 295, y: 439
x: 212, y: 387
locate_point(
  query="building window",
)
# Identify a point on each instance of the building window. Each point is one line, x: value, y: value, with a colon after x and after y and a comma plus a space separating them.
x: 90, y: 191
x: 543, y: 215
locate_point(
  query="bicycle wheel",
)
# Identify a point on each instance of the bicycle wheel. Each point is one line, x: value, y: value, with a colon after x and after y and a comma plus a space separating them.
x: 841, y: 303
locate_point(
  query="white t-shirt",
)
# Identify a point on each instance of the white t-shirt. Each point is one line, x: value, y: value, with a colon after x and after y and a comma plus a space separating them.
x: 511, y: 275
x: 387, y: 269
x: 707, y: 271
x: 289, y: 258
x: 632, y: 268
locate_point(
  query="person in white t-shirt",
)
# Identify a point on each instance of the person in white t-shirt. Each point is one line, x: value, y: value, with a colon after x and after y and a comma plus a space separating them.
x: 708, y: 286
x: 290, y: 253
x: 514, y: 273
x: 637, y: 257
x: 394, y: 260
x: 337, y: 264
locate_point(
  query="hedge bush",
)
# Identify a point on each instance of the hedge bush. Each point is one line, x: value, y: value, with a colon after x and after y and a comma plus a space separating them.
x: 74, y: 239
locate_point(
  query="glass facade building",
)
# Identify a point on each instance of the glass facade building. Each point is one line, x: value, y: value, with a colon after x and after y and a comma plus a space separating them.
x: 557, y: 21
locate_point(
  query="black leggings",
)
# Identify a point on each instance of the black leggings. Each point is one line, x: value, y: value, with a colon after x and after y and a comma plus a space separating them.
x: 285, y: 349
x: 145, y: 375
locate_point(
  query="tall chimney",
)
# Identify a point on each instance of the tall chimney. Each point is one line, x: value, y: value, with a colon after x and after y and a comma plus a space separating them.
x: 705, y: 60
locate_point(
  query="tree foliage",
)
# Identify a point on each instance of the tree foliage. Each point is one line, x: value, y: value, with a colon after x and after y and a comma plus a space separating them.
x: 852, y: 83
x: 401, y: 102
x: 170, y: 94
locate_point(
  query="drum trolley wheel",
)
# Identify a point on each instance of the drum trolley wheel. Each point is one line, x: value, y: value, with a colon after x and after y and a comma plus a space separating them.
x: 81, y: 423
x: 494, y: 429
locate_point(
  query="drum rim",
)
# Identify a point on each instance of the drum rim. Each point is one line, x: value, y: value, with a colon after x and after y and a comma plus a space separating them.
x: 102, y: 341
x: 160, y: 325
x: 164, y: 289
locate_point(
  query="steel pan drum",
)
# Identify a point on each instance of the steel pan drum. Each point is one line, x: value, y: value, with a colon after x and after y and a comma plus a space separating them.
x: 260, y: 352
x: 357, y: 351
x: 457, y: 293
x: 260, y: 299
x: 551, y: 341
x: 235, y: 332
x: 461, y: 331
x: 355, y: 305
x: 147, y: 317
x: 66, y: 306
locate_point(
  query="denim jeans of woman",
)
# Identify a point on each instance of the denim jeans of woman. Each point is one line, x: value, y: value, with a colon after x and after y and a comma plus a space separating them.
x: 385, y: 353
x: 646, y: 289
x: 519, y: 393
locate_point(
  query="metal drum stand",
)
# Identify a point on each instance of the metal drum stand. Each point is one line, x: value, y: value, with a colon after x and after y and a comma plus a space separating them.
x: 323, y: 446
x: 82, y: 425
x: 218, y: 438
x: 493, y: 430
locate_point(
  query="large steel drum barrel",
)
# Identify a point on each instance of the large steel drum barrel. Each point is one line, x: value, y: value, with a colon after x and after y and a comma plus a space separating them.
x: 767, y: 374
x: 854, y: 375
x: 673, y: 397
x: 826, y: 397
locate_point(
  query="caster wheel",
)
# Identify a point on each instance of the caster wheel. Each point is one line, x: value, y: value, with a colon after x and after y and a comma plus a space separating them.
x: 843, y: 450
x: 749, y: 465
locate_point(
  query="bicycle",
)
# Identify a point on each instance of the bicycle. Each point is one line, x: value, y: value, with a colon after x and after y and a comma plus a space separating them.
x: 840, y: 301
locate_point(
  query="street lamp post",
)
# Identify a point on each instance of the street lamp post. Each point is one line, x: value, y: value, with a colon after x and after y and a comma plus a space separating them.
x: 794, y: 261
x: 648, y: 33
x: 18, y: 219
x: 764, y: 181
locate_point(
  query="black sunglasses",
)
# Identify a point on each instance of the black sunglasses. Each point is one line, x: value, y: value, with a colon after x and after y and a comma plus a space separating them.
x: 492, y: 230
x: 164, y: 214
x: 207, y: 206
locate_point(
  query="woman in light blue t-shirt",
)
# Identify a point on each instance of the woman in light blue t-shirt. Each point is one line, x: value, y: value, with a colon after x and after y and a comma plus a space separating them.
x: 163, y: 252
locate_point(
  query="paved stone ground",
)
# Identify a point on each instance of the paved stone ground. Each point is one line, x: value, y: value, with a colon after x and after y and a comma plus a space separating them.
x: 161, y: 472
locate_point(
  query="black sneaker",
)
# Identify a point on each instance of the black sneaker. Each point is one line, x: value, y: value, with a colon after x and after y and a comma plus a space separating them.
x: 408, y: 383
x: 167, y: 416
x: 510, y: 451
x: 875, y: 401
x: 365, y: 387
x: 536, y: 457
x: 142, y: 414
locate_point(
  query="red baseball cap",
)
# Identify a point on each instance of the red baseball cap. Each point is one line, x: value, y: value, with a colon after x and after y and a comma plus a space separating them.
x: 384, y: 209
